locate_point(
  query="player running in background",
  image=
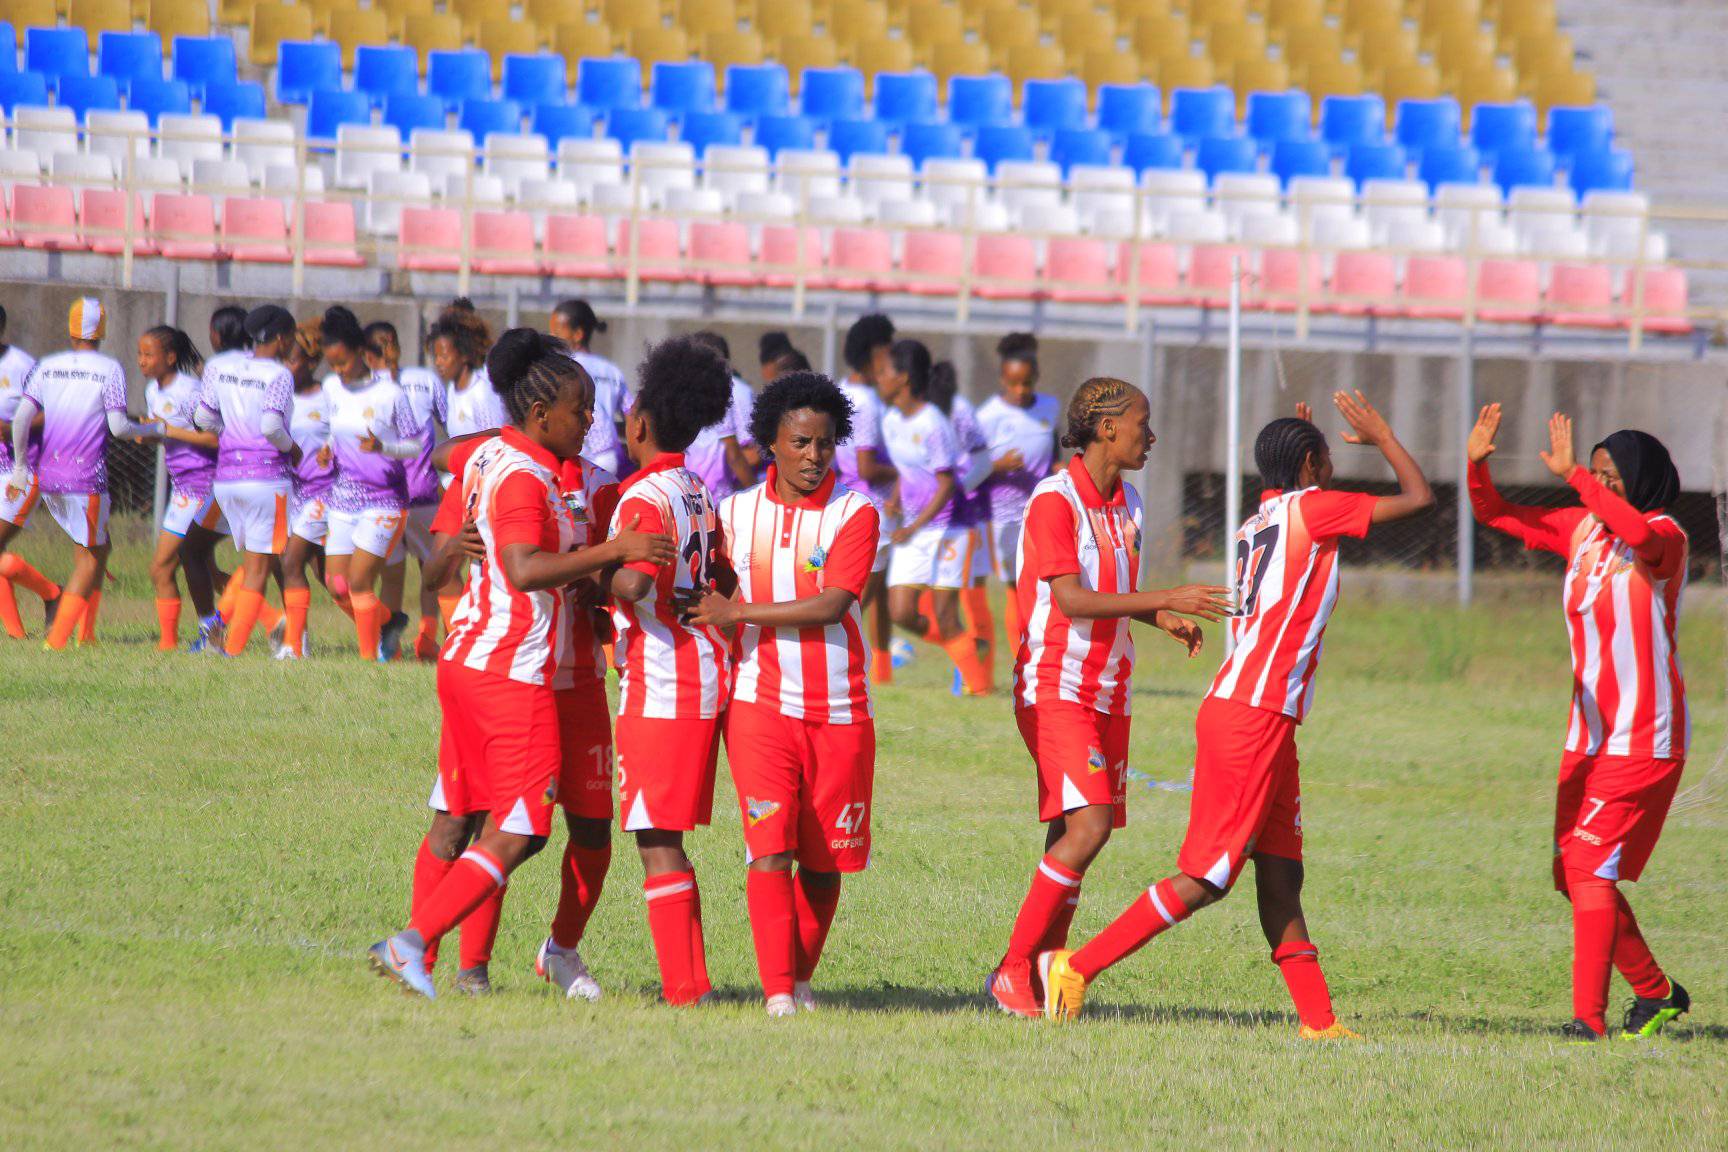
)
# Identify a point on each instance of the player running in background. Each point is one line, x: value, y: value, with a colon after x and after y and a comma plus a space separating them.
x: 426, y: 396
x: 799, y: 734
x: 972, y: 514
x: 574, y: 322
x: 777, y: 357
x: 862, y: 464
x: 459, y: 340
x: 723, y: 456
x: 1079, y: 567
x: 1246, y: 803
x: 1021, y: 425
x: 312, y: 479
x: 81, y: 395
x: 500, y: 757
x: 1626, y: 740
x: 17, y: 504
x: 675, y: 674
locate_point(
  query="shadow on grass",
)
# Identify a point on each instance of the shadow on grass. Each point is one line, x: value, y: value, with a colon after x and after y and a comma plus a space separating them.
x: 1549, y: 1028
x: 894, y: 998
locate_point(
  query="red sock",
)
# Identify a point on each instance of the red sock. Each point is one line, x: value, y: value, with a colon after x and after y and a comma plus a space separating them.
x: 579, y: 882
x: 268, y: 615
x: 774, y: 928
x: 87, y: 622
x: 298, y: 602
x: 1057, y: 934
x: 973, y: 674
x: 927, y: 609
x: 480, y: 930
x: 1633, y: 957
x: 671, y: 900
x: 698, y: 946
x: 167, y: 624
x: 429, y: 871
x: 1151, y: 914
x: 815, y: 906
x: 65, y: 620
x: 472, y: 879
x: 1299, y: 963
x: 447, y: 609
x: 1052, y: 884
x: 9, y: 618
x: 1595, y: 920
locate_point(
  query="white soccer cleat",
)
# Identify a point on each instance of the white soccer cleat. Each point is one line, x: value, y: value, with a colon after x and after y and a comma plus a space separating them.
x: 566, y: 971
x: 804, y: 996
x: 277, y: 632
x: 781, y: 1006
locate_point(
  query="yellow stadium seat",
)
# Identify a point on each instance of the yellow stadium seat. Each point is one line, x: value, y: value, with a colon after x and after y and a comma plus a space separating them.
x: 438, y: 32
x: 800, y: 52
x: 1155, y: 37
x: 22, y: 14
x: 700, y: 17
x: 1493, y: 84
x: 1565, y: 89
x: 627, y: 16
x: 1333, y: 78
x: 1413, y: 81
x: 1266, y: 74
x: 1383, y: 47
x: 1130, y: 11
x: 354, y: 27
x: 657, y: 46
x: 1111, y: 67
x: 323, y: 10
x: 880, y: 55
x: 855, y: 22
x: 1457, y: 47
x: 1008, y: 26
x: 927, y: 25
x: 274, y: 23
x: 1213, y: 12
x: 583, y: 40
x: 400, y: 10
x: 1312, y: 44
x: 779, y: 22
x: 1185, y: 72
x: 472, y: 12
x: 235, y: 12
x: 1229, y: 43
x: 1035, y: 62
x: 1357, y: 14
x: 1083, y: 32
x: 1294, y: 13
x: 959, y: 58
x: 1051, y: 13
x: 1539, y: 55
x: 1446, y: 13
x: 502, y: 37
x: 171, y: 18
x: 548, y: 14
x: 99, y: 16
x: 1517, y: 21
x: 725, y: 49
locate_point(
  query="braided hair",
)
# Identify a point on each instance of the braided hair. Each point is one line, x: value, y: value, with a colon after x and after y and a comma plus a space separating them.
x: 1281, y: 449
x: 527, y: 368
x: 187, y: 361
x: 1093, y: 401
x: 462, y: 325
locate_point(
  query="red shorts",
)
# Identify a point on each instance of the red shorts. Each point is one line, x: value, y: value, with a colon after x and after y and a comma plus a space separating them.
x: 1609, y: 812
x: 585, y: 749
x: 803, y: 787
x: 1247, y: 792
x: 666, y: 772
x: 1082, y: 758
x: 498, y: 752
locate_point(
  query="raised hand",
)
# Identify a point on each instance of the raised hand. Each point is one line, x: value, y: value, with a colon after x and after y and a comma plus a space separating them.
x: 1560, y: 458
x: 1207, y: 601
x: 636, y: 547
x: 1304, y: 412
x: 1480, y: 446
x: 1367, y: 426
x: 1184, y: 632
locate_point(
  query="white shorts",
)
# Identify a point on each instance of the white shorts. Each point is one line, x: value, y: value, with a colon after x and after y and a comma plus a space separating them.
x: 933, y: 558
x: 16, y: 509
x: 310, y: 520
x: 84, y: 516
x: 418, y: 535
x: 884, y: 543
x: 981, y: 554
x: 1005, y: 549
x: 257, y: 513
x: 183, y: 511
x: 374, y: 530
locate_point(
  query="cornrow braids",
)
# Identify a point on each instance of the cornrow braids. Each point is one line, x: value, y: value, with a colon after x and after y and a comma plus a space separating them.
x: 1094, y: 400
x: 527, y: 368
x: 187, y: 360
x: 1282, y: 447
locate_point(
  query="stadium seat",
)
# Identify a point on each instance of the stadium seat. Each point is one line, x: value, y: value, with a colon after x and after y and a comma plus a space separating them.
x: 1077, y: 271
x: 906, y: 96
x: 126, y: 56
x: 260, y: 143
x: 932, y: 139
x: 184, y: 226
x: 1509, y: 291
x: 788, y: 252
x: 362, y: 150
x: 700, y: 130
x: 560, y: 122
x: 1525, y: 167
x: 43, y: 132
x: 103, y: 223
x: 1609, y: 170
x: 758, y: 90
x: 1290, y: 280
x: 852, y: 137
x: 1219, y: 154
x: 1277, y: 116
x: 1435, y: 287
x: 655, y: 246
x: 860, y: 260
x: 950, y: 183
x: 832, y: 94
x: 503, y: 244
x: 357, y: 28
x: 305, y: 67
x: 1080, y: 146
x: 1428, y: 124
x: 977, y: 100
x: 1495, y: 127
x: 1363, y: 282
x: 1126, y: 110
x: 383, y: 71
x: 158, y: 98
x: 388, y: 194
x: 1047, y: 106
x: 930, y: 263
x: 1581, y: 296
x: 1456, y: 165
x: 1664, y: 298
x: 1293, y: 158
x: 56, y: 52
x: 459, y: 77
x: 221, y: 178
x: 437, y: 154
x: 1200, y: 113
x: 1573, y: 131
x: 431, y: 239
x: 83, y: 93
x: 780, y: 132
x: 576, y: 247
x: 229, y: 102
x: 996, y: 143
x: 629, y: 125
x: 428, y: 32
x: 1209, y: 274
x: 720, y: 252
x: 684, y: 86
x: 484, y: 117
x: 329, y: 231
x: 1150, y: 271
x: 172, y: 19
x: 81, y: 169
x: 255, y: 230
x: 1005, y: 266
x: 609, y: 83
x: 1350, y: 120
x: 45, y: 218
x: 1152, y: 150
x: 735, y: 170
x: 409, y: 112
x: 808, y: 173
x: 201, y: 61
x: 1367, y: 162
x: 330, y: 108
x: 537, y: 79
x: 115, y: 134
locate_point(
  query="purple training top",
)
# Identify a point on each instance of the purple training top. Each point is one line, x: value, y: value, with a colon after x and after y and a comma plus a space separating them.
x: 191, y: 469
x: 238, y: 390
x: 15, y: 367
x: 379, y: 408
x: 426, y: 396
x: 922, y: 447
x: 866, y: 433
x: 76, y: 391
x: 310, y: 427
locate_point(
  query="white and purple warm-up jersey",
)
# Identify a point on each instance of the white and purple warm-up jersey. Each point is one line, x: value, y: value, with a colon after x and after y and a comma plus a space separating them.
x: 611, y: 401
x: 310, y: 427
x: 1032, y: 433
x: 426, y: 395
x: 75, y: 391
x: 239, y: 389
x: 866, y: 434
x: 15, y: 367
x: 706, y: 455
x: 377, y: 408
x: 921, y: 447
x: 191, y: 469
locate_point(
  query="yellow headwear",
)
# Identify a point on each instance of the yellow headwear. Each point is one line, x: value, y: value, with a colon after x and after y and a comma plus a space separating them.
x: 87, y: 321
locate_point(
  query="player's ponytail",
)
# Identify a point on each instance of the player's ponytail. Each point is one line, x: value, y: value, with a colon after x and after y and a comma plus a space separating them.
x: 1098, y: 398
x: 527, y: 368
x: 187, y: 361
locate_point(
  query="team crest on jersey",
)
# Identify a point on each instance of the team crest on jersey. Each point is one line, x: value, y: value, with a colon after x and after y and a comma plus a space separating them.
x: 760, y: 810
x: 1095, y: 761
x: 577, y: 503
x: 818, y: 557
x: 167, y: 407
x: 366, y: 413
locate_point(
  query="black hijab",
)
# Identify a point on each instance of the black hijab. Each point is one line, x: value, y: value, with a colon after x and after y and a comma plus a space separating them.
x: 1645, y: 467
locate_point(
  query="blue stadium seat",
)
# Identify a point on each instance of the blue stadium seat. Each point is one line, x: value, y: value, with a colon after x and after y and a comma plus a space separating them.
x: 1609, y: 170
x: 1220, y: 154
x: 1048, y: 106
x: 905, y: 96
x: 685, y: 86
x: 848, y: 138
x: 998, y: 142
x: 82, y: 93
x: 56, y: 52
x: 1275, y: 116
x: 1080, y: 145
x: 975, y: 100
x: 777, y: 132
x: 1428, y: 124
x: 1524, y: 167
x: 1196, y: 113
x: 329, y: 108
x: 537, y: 79
x: 1145, y: 150
x: 628, y: 125
x: 307, y: 66
x: 204, y: 60
x: 932, y: 140
x: 832, y: 93
x: 385, y: 70
x: 8, y: 47
x: 483, y: 117
x: 559, y: 122
x: 459, y: 77
x: 758, y: 90
x: 126, y: 56
x: 1461, y: 164
x: 156, y: 97
x: 1293, y: 158
x: 1347, y: 120
x: 609, y: 82
x: 700, y: 129
x: 27, y: 88
x: 407, y: 111
x: 1128, y: 109
x: 1376, y: 162
x: 230, y: 102
x: 1575, y: 130
x: 1494, y: 127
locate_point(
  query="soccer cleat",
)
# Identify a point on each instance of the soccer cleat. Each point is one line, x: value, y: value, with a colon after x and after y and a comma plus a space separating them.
x: 1575, y: 1031
x: 475, y: 981
x: 804, y: 996
x: 1064, y: 988
x: 283, y: 652
x: 50, y: 609
x: 1335, y: 1031
x: 1646, y: 1017
x: 278, y: 630
x: 901, y: 652
x: 402, y: 958
x: 566, y: 971
x: 1012, y: 990
x: 212, y: 633
x: 390, y: 637
x: 781, y: 1006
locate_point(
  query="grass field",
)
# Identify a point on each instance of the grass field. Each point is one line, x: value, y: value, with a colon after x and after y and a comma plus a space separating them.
x: 199, y: 851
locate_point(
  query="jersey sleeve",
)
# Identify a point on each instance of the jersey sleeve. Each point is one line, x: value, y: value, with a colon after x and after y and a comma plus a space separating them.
x: 945, y: 452
x: 406, y: 422
x: 652, y: 520
x: 1049, y: 537
x: 114, y: 389
x: 854, y: 551
x: 518, y: 511
x: 447, y: 521
x: 32, y: 389
x: 1331, y: 514
x: 1539, y: 529
x: 603, y: 504
x: 279, y: 395
x: 1625, y: 521
x: 440, y: 403
x: 866, y: 427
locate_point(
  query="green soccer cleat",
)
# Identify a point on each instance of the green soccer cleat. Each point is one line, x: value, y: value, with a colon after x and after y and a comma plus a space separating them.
x: 1645, y: 1018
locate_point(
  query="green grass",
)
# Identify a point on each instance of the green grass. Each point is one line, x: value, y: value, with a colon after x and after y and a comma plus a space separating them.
x: 198, y: 852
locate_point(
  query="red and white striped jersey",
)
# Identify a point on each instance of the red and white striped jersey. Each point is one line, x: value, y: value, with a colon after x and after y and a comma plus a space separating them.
x: 510, y: 487
x: 1286, y: 588
x: 1071, y: 530
x: 793, y: 552
x: 670, y: 670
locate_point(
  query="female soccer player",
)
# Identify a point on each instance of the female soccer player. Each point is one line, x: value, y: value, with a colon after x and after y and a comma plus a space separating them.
x: 426, y: 396
x: 1075, y: 666
x: 929, y: 550
x: 723, y: 455
x: 459, y: 341
x: 500, y: 755
x: 15, y: 509
x: 574, y: 322
x: 777, y: 356
x: 1246, y: 802
x: 675, y: 674
x: 1626, y: 743
x: 972, y: 514
x: 863, y: 466
x: 1021, y: 425
x: 799, y: 733
x: 192, y: 524
x: 313, y: 477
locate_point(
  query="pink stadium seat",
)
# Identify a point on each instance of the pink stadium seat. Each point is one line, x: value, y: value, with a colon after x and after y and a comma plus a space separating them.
x: 1581, y: 295
x: 185, y: 226
x: 1435, y: 286
x: 1209, y: 275
x: 1159, y: 281
x: 1363, y: 283
x: 1078, y: 271
x: 330, y: 237
x: 255, y: 231
x: 1006, y: 264
x: 862, y: 260
x: 780, y: 255
x: 103, y: 220
x: 1665, y: 299
x: 576, y: 247
x: 8, y: 238
x: 431, y: 240
x: 1289, y: 279
x: 657, y: 249
x: 931, y: 263
x: 720, y: 251
x: 1509, y: 291
x: 504, y: 244
x: 46, y: 218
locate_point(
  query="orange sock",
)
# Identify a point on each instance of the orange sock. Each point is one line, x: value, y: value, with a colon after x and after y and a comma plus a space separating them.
x: 426, y: 640
x: 367, y: 623
x: 964, y: 652
x: 17, y: 569
x: 268, y: 614
x: 447, y: 610
x: 65, y: 620
x: 881, y: 667
x: 230, y: 594
x: 246, y: 605
x: 168, y: 620
x: 927, y: 609
x: 9, y: 618
x: 87, y: 623
x: 298, y: 601
x: 980, y: 624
